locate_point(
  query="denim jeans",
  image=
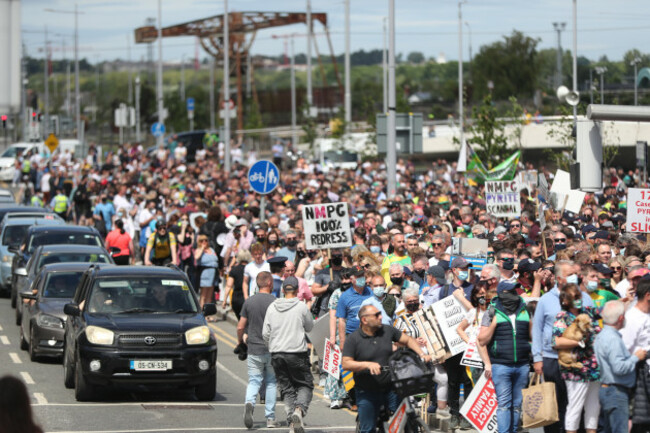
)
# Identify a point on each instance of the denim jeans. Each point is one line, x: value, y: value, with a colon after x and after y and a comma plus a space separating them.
x: 614, y: 409
x: 509, y: 380
x: 369, y: 403
x: 259, y: 369
x: 296, y: 383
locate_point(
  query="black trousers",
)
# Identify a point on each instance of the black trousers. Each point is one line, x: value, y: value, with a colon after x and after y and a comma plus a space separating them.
x: 457, y: 374
x: 551, y: 371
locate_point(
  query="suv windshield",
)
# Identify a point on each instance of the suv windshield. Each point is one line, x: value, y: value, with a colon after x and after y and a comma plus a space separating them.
x: 12, y: 152
x: 142, y: 294
x: 61, y: 284
x: 63, y: 238
x: 49, y: 258
x: 14, y: 235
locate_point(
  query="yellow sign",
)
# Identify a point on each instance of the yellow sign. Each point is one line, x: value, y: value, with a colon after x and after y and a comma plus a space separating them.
x: 52, y: 142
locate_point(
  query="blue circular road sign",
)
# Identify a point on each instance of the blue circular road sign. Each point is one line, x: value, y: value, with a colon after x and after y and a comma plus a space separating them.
x: 158, y: 129
x: 263, y: 177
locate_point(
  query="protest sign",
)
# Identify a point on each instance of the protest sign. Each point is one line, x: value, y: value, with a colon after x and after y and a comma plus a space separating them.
x: 471, y: 357
x: 473, y: 250
x: 502, y: 198
x: 562, y: 196
x: 449, y: 312
x: 528, y: 179
x: 638, y: 210
x: 332, y: 359
x: 326, y: 226
x: 542, y: 187
x: 318, y: 334
x: 480, y: 407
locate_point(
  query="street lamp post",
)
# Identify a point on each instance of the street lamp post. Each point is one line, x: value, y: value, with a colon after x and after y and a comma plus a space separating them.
x: 226, y: 85
x: 159, y: 77
x: 348, y: 90
x: 575, y: 60
x: 559, y: 28
x: 391, y: 151
x: 77, y: 97
x: 634, y: 63
x: 469, y: 35
x: 601, y: 70
x: 460, y: 74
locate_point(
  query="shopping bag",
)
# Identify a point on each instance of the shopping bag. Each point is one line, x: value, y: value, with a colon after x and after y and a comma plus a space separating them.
x: 540, y: 405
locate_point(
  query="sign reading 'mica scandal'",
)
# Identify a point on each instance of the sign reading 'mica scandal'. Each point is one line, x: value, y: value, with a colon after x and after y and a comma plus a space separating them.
x: 502, y: 198
x: 326, y: 226
x: 638, y: 210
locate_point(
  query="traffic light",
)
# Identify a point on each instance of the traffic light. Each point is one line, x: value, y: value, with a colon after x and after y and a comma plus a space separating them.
x: 40, y: 117
x: 4, y: 120
x: 34, y: 116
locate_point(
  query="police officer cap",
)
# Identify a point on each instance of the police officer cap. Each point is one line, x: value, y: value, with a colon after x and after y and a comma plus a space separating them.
x: 277, y: 260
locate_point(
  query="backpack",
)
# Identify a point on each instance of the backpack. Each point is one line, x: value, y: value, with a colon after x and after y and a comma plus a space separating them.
x: 409, y: 375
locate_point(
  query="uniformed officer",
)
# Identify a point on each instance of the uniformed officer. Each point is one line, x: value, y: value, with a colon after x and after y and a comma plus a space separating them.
x: 36, y: 200
x: 60, y: 204
x: 277, y: 268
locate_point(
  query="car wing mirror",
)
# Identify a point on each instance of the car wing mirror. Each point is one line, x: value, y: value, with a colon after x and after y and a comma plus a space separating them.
x: 71, y: 309
x: 21, y: 272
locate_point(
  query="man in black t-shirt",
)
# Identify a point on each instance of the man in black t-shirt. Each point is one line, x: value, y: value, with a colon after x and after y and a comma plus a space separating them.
x: 365, y: 352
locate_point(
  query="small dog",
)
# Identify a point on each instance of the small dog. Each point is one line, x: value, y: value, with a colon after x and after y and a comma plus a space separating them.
x: 578, y: 331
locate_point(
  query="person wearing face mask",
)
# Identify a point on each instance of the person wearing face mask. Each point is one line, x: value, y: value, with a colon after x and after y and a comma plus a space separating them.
x: 378, y: 287
x: 506, y: 263
x: 334, y: 389
x: 420, y: 265
x: 398, y: 277
x: 459, y: 287
x: 591, y: 285
x: 350, y: 303
x: 505, y: 331
x: 544, y: 355
x: 582, y: 384
x: 468, y: 328
x: 290, y: 246
x: 322, y: 279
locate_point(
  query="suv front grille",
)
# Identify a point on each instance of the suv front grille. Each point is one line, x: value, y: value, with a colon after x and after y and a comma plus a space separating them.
x: 138, y: 340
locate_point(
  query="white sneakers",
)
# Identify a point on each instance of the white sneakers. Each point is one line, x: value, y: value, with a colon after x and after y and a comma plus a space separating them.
x: 296, y: 421
x: 272, y: 423
x: 336, y: 404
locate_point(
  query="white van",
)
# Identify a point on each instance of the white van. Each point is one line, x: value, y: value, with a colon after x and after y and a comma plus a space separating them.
x: 8, y: 158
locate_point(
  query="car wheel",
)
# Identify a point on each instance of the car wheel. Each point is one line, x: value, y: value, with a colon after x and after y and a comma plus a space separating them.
x: 23, y: 342
x: 207, y: 390
x: 83, y: 391
x: 68, y: 370
x: 32, y: 348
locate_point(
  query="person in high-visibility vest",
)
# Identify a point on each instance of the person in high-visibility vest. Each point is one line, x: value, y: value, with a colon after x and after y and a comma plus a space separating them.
x: 60, y: 204
x: 36, y: 201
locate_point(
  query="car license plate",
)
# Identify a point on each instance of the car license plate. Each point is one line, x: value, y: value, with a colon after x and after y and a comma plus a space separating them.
x: 150, y: 365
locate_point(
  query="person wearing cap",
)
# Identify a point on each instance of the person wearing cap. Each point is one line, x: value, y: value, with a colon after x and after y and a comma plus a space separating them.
x: 350, y: 302
x: 460, y: 287
x: 530, y: 278
x: 505, y: 331
x: 276, y: 265
x: 285, y: 329
x: 249, y: 332
x: 399, y: 255
x: 161, y: 247
x: 435, y: 279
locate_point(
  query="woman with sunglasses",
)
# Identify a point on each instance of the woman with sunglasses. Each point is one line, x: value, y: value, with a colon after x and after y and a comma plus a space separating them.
x: 207, y: 261
x: 617, y: 264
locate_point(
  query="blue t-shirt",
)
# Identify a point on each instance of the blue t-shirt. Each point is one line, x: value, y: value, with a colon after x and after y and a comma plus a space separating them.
x: 375, y: 302
x: 107, y: 211
x: 348, y: 307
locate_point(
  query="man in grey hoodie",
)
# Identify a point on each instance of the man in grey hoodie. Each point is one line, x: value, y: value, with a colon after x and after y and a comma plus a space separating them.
x: 285, y: 326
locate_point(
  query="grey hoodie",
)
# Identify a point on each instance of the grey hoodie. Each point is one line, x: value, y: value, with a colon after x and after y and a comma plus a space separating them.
x: 285, y: 325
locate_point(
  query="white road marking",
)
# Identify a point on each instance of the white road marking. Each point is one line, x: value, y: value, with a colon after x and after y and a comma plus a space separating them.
x: 233, y: 375
x: 40, y: 398
x: 14, y: 357
x: 27, y: 378
x: 4, y: 340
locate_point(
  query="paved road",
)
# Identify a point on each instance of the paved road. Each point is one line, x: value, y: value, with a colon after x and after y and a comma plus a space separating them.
x: 145, y: 411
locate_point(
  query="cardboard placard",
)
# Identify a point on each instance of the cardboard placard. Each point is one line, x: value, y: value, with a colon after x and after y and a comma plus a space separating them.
x: 473, y: 250
x: 542, y: 187
x: 471, y: 357
x: 319, y: 333
x: 638, y: 210
x: 562, y: 196
x: 502, y: 198
x: 326, y: 226
x: 449, y: 312
x: 332, y: 359
x: 480, y: 407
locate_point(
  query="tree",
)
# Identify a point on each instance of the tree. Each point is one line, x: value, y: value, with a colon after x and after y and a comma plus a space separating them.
x: 415, y: 57
x: 510, y: 64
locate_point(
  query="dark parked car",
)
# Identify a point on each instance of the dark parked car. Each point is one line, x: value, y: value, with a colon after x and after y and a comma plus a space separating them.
x: 48, y: 254
x: 6, y: 207
x: 41, y: 328
x: 138, y: 325
x: 49, y: 235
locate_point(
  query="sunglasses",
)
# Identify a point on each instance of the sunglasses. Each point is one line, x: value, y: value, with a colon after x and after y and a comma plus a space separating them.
x: 515, y: 226
x: 616, y: 269
x: 376, y: 315
x: 560, y: 240
x: 551, y: 269
x: 436, y: 245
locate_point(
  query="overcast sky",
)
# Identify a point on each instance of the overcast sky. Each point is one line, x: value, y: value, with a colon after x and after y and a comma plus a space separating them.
x: 605, y: 27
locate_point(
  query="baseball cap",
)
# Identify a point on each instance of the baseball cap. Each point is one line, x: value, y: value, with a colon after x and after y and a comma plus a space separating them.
x: 357, y: 271
x: 605, y: 270
x: 460, y: 262
x: 438, y: 273
x: 601, y: 235
x: 589, y: 228
x: 529, y: 265
x: 505, y: 286
x: 290, y: 283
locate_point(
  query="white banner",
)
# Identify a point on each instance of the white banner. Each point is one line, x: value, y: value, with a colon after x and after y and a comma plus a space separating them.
x: 449, y: 313
x: 326, y: 226
x: 332, y: 359
x: 480, y: 407
x: 638, y: 210
x: 502, y: 198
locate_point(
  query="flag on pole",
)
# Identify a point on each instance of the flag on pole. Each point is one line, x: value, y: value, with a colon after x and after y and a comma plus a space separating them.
x: 504, y: 171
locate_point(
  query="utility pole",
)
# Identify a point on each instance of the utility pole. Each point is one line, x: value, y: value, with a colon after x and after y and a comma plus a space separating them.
x: 575, y: 61
x: 348, y: 90
x: 226, y: 85
x: 460, y: 74
x: 294, y: 131
x: 211, y: 93
x: 601, y: 70
x: 183, y: 78
x: 46, y: 80
x: 634, y: 63
x: 310, y: 100
x: 128, y: 68
x: 559, y: 28
x: 23, y: 83
x: 384, y: 63
x: 391, y: 156
x: 137, y: 108
x: 159, y: 77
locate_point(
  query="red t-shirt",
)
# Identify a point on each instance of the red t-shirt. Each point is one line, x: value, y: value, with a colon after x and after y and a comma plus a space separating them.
x: 119, y: 240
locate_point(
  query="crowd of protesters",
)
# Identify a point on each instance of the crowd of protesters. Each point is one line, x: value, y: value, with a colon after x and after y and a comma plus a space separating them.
x: 160, y: 207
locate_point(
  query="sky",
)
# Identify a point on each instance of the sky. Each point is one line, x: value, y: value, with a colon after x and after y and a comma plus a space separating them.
x: 605, y: 27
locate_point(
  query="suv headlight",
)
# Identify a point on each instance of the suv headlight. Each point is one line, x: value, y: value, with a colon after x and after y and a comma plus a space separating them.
x: 97, y: 335
x: 47, y: 321
x: 198, y: 335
